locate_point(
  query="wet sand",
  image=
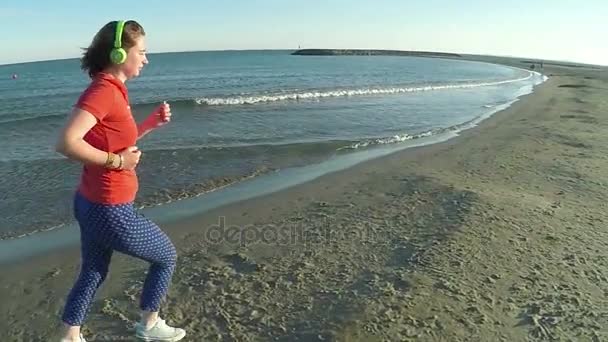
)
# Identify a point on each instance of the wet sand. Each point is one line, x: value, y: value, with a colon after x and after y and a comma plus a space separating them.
x: 496, y: 235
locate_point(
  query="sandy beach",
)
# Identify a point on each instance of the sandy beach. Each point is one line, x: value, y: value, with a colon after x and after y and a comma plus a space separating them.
x: 496, y: 235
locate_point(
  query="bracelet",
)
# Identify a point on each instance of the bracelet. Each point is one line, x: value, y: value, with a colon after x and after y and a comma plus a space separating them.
x: 121, y: 161
x: 110, y: 160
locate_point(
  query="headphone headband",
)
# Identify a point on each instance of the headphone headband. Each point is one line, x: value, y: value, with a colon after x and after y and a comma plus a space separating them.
x: 120, y: 25
x: 118, y: 55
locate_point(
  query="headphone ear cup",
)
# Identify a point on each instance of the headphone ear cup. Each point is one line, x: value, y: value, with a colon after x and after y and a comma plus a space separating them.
x: 118, y: 55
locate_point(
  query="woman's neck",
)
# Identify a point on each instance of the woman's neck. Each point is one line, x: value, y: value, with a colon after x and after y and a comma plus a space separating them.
x: 117, y: 74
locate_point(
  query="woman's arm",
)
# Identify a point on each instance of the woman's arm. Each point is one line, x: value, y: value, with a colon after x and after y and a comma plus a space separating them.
x: 143, y: 128
x: 159, y: 117
x: 71, y: 140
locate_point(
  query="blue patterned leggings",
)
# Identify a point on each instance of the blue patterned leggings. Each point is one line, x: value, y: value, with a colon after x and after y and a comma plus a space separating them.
x: 108, y: 228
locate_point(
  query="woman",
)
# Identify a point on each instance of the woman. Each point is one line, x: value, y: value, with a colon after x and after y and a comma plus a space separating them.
x: 101, y: 134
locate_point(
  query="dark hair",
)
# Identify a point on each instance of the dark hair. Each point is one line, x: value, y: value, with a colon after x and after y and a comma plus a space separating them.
x: 97, y: 56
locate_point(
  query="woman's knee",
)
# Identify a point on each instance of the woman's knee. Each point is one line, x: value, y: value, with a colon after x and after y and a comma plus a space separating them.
x: 170, y: 257
x: 93, y: 273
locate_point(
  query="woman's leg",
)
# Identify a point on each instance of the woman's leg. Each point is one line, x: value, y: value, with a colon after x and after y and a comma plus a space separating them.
x: 93, y: 271
x: 143, y: 239
x: 95, y: 260
x: 120, y: 228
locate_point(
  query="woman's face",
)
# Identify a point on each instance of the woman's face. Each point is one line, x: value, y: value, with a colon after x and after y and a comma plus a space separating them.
x: 136, y: 58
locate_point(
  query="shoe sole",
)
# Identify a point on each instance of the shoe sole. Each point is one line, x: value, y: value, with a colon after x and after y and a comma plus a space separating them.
x: 172, y: 339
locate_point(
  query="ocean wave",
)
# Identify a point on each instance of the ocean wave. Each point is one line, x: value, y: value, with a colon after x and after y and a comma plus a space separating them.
x: 18, y: 235
x: 50, y: 117
x: 319, y: 94
x: 398, y: 138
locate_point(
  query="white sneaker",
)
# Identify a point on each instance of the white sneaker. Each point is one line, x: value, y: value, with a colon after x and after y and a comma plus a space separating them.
x: 81, y: 339
x: 159, y: 332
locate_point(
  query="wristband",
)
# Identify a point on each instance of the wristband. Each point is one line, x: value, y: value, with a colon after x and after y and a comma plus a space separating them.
x: 110, y: 160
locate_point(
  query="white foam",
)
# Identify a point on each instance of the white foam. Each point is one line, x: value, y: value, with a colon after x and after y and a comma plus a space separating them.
x: 312, y: 95
x: 390, y: 140
x: 458, y: 127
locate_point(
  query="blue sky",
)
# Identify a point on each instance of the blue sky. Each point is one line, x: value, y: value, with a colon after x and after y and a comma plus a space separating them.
x: 549, y: 29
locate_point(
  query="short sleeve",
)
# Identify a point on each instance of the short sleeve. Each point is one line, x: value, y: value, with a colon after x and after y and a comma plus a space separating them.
x: 98, y: 100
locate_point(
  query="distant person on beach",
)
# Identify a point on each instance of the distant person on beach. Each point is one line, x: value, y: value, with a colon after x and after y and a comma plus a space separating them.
x: 101, y: 134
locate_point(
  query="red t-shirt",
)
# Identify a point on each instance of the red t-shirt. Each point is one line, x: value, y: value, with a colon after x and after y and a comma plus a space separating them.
x: 107, y: 99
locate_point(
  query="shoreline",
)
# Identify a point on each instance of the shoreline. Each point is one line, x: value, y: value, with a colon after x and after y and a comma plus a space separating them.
x: 50, y: 240
x: 491, y: 235
x: 55, y: 214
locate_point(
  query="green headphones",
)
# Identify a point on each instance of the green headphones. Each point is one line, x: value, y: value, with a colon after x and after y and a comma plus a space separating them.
x: 118, y: 55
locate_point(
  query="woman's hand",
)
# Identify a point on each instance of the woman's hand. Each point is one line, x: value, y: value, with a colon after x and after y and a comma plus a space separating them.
x: 130, y: 157
x: 159, y: 117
